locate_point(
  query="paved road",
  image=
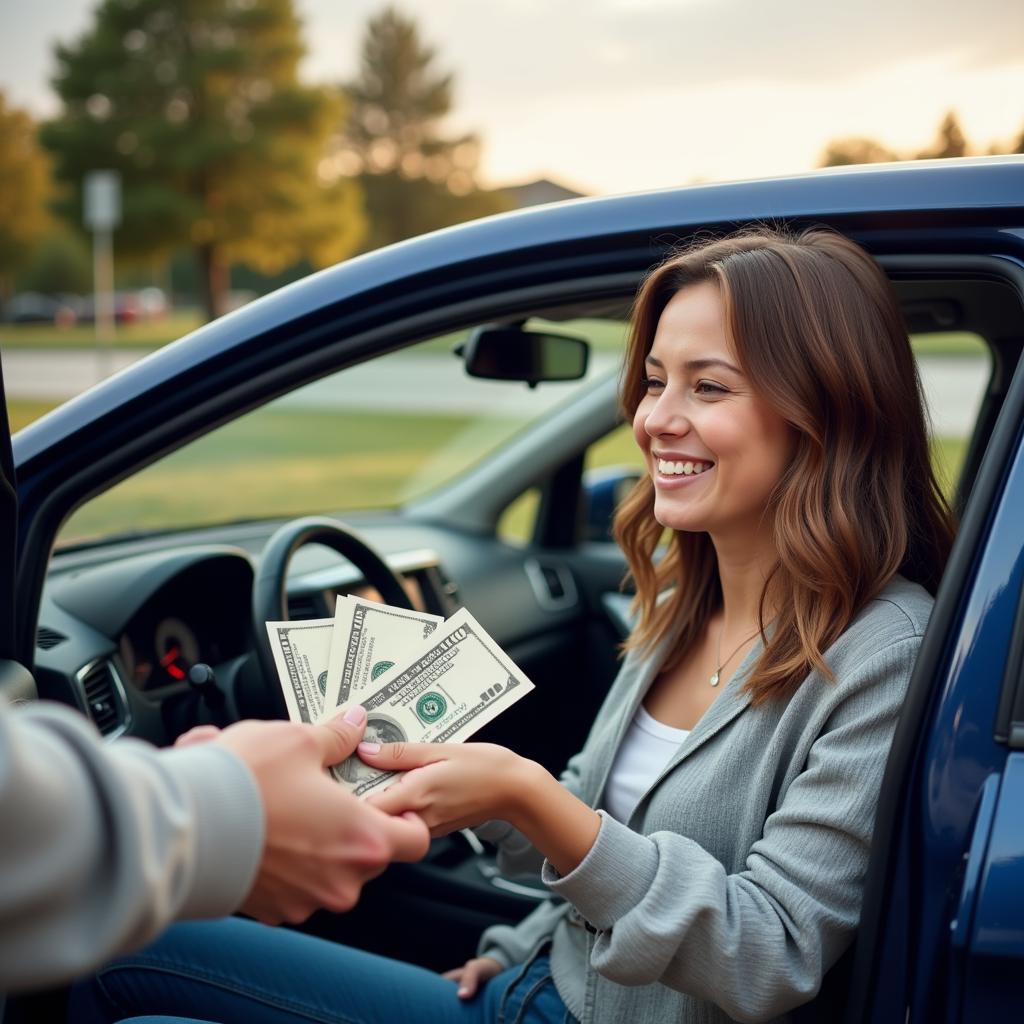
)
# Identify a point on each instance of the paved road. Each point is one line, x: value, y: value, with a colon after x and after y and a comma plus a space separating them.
x: 433, y: 383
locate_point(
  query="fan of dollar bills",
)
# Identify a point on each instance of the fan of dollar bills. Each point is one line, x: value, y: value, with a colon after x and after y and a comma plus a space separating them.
x: 421, y: 678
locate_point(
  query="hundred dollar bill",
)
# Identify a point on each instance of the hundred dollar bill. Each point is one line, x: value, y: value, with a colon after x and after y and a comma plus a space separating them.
x: 370, y: 638
x: 302, y: 653
x: 456, y: 685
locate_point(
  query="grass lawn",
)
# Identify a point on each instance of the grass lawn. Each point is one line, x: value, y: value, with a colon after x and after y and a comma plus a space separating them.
x: 960, y: 344
x: 21, y: 412
x: 290, y: 462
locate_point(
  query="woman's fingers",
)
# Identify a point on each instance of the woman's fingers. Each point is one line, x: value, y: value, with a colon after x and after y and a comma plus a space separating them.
x: 473, y: 974
x: 401, y: 756
x: 404, y: 795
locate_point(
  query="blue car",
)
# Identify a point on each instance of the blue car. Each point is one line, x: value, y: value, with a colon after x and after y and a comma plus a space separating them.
x: 386, y: 425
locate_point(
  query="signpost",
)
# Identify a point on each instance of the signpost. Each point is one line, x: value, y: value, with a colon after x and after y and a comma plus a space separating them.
x: 102, y: 214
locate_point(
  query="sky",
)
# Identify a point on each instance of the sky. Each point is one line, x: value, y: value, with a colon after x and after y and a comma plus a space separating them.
x: 614, y: 96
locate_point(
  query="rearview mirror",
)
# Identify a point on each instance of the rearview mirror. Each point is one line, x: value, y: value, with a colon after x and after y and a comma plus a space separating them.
x: 511, y: 353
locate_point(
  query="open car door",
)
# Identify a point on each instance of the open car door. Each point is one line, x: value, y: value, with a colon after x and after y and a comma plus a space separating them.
x: 16, y: 682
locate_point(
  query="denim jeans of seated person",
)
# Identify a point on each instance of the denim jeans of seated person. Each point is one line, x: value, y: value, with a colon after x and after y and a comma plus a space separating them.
x: 239, y: 971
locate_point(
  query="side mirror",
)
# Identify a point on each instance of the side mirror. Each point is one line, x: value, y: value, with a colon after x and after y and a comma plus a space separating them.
x: 603, y: 491
x: 511, y: 353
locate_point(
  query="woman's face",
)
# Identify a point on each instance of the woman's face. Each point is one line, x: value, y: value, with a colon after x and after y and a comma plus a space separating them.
x: 714, y: 449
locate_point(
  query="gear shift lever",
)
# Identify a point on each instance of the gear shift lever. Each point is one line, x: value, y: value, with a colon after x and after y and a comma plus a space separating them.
x: 204, y: 683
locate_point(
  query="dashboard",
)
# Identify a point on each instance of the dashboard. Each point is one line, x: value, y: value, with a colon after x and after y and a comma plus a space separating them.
x: 120, y: 628
x: 120, y: 623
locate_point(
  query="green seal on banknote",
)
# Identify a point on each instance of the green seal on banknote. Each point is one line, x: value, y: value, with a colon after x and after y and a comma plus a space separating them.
x: 380, y: 668
x: 321, y: 682
x: 431, y: 706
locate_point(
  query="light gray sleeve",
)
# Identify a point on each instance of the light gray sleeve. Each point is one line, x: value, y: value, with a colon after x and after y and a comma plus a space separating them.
x: 755, y: 943
x: 512, y: 944
x: 105, y: 844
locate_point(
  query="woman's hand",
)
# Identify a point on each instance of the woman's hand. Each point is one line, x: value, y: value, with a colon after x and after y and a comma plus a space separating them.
x: 458, y: 785
x: 451, y: 785
x: 473, y: 974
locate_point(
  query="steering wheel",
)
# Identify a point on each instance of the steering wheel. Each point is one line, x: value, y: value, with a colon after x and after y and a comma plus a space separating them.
x: 269, y: 601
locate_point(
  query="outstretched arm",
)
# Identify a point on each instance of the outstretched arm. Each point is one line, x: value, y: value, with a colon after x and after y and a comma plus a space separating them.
x: 453, y: 786
x: 103, y: 845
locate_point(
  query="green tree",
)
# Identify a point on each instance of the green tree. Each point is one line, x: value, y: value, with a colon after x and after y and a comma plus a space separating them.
x: 61, y: 262
x: 415, y: 178
x: 197, y: 104
x: 24, y: 192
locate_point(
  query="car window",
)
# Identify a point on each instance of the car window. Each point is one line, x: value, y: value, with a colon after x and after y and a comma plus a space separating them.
x: 955, y: 368
x: 371, y: 436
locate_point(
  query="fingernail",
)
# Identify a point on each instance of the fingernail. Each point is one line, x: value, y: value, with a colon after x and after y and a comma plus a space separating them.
x: 355, y: 715
x: 463, y: 991
x: 369, y: 748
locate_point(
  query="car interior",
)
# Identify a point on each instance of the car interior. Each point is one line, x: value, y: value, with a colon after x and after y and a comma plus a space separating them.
x: 516, y: 528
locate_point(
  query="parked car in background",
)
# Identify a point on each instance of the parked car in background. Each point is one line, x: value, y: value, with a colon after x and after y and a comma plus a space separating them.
x: 34, y: 308
x: 143, y: 304
x: 129, y: 306
x: 146, y: 505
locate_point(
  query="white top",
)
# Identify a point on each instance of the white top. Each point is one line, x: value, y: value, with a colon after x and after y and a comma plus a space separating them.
x: 646, y: 748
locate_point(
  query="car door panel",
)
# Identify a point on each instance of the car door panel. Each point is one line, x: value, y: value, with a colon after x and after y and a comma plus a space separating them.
x: 989, y: 931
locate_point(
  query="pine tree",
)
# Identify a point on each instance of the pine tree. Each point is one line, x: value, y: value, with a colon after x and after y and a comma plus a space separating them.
x: 197, y: 104
x: 950, y: 143
x: 415, y: 178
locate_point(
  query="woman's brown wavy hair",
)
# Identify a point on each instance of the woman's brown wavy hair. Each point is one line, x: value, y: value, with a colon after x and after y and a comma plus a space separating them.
x: 818, y: 333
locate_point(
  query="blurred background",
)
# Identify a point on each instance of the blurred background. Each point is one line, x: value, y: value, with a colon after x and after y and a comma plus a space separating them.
x: 254, y: 141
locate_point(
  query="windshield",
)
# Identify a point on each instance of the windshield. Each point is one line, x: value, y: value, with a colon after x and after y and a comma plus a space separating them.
x: 371, y: 436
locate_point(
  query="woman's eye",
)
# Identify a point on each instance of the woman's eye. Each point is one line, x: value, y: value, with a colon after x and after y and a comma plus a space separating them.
x: 706, y: 387
x: 650, y: 383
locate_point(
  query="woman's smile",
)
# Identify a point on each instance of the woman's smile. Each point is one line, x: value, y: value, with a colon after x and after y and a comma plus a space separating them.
x: 671, y: 470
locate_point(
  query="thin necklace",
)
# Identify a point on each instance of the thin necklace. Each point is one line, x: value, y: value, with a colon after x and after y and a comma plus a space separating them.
x: 721, y: 664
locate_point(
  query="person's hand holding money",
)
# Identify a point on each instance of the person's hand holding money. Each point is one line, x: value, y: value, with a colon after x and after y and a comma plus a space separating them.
x: 458, y: 785
x: 321, y: 844
x: 450, y: 785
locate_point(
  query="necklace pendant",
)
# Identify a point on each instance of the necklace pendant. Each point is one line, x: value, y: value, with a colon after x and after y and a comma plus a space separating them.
x: 714, y: 679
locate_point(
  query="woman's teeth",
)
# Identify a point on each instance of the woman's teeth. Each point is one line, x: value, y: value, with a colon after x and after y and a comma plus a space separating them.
x: 667, y: 468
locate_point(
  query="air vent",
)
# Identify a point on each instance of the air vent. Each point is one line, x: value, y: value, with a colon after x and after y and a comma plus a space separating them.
x: 102, y: 700
x: 47, y: 638
x: 303, y: 606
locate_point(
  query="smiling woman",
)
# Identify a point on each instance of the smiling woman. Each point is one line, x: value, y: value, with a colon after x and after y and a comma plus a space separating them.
x: 709, y: 842
x: 817, y: 422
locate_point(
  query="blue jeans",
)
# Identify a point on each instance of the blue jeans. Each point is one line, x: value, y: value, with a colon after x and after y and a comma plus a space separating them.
x: 239, y: 971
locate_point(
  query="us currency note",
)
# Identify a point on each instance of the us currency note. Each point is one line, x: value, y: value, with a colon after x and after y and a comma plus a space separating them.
x: 369, y: 638
x: 455, y: 686
x: 302, y: 654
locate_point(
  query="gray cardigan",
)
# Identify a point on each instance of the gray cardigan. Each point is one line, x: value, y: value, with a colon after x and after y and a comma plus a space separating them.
x: 737, y: 881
